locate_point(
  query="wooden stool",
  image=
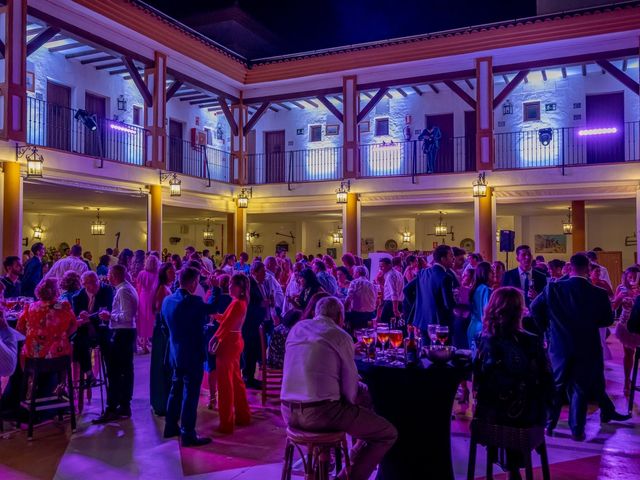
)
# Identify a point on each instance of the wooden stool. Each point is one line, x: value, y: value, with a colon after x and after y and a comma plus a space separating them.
x: 634, y: 379
x: 316, y: 460
x: 33, y: 368
x: 100, y: 381
x: 523, y: 440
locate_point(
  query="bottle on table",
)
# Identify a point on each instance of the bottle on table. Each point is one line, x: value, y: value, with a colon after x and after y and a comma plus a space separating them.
x: 411, y: 354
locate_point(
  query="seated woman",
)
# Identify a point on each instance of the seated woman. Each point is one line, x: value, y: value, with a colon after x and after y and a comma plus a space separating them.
x: 511, y: 372
x: 275, y: 355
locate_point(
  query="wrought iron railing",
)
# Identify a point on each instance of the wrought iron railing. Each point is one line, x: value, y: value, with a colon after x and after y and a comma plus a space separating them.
x: 568, y: 146
x: 196, y: 160
x: 412, y: 158
x: 54, y: 126
x: 296, y: 166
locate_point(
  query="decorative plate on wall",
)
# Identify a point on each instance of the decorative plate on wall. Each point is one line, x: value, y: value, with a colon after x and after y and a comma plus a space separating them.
x: 468, y: 245
x: 391, y: 245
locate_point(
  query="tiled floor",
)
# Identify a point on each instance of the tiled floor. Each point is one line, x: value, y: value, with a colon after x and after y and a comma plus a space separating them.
x: 134, y: 449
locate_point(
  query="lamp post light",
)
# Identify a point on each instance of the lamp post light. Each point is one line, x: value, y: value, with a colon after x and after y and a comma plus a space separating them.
x: 480, y: 186
x: 342, y: 192
x: 244, y: 196
x: 175, y: 184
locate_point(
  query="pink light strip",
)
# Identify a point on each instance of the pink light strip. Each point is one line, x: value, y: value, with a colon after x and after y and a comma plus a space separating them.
x: 122, y: 128
x: 597, y: 131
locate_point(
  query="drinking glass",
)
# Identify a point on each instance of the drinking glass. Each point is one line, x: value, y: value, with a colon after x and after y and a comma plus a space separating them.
x: 368, y: 337
x: 395, y: 338
x: 383, y: 336
x: 432, y: 333
x: 442, y: 334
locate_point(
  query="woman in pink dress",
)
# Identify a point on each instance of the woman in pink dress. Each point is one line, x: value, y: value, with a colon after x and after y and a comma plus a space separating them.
x: 146, y: 285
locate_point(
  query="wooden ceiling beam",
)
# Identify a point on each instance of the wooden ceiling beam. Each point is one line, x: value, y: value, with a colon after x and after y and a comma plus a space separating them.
x: 186, y: 92
x: 368, y: 95
x: 510, y: 87
x: 227, y: 113
x: 469, y: 84
x: 273, y: 108
x: 173, y: 89
x: 83, y: 53
x: 39, y: 40
x: 434, y: 88
x: 457, y: 89
x: 505, y: 79
x: 624, y: 65
x: 401, y: 92
x: 544, y: 75
x: 331, y: 107
x: 584, y: 70
x: 209, y: 104
x: 566, y: 61
x: 138, y: 81
x: 120, y: 71
x: 66, y: 46
x: 255, y: 117
x: 388, y: 95
x: 417, y: 90
x: 564, y: 72
x: 205, y: 98
x: 104, y: 58
x: 311, y: 102
x: 622, y: 77
x: 194, y: 96
x: 109, y: 65
x: 371, y: 104
x: 298, y: 104
x: 286, y: 107
x: 338, y: 98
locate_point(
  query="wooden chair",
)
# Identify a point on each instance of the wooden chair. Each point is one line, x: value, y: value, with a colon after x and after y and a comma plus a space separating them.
x: 317, y: 457
x: 494, y: 437
x: 271, y: 377
x: 634, y: 379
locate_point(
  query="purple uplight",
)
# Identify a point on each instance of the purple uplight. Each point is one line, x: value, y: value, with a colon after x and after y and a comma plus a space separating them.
x: 122, y: 128
x: 597, y: 131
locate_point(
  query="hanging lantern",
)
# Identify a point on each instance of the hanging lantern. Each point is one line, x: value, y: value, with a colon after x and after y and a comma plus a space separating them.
x: 567, y: 224
x: 480, y: 186
x: 342, y: 192
x: 243, y: 197
x: 175, y: 187
x: 207, y: 234
x: 98, y: 227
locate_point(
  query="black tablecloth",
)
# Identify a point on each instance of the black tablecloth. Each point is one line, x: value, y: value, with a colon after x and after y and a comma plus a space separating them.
x: 418, y: 401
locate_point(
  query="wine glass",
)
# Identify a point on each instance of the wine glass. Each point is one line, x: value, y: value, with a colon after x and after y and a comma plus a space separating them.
x: 431, y: 329
x: 442, y: 334
x: 395, y: 338
x: 368, y: 337
x: 383, y: 336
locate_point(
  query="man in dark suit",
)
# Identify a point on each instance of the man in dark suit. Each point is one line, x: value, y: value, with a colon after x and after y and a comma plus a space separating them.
x: 571, y: 312
x: 33, y: 270
x: 92, y: 298
x: 186, y: 315
x: 433, y: 292
x: 257, y: 313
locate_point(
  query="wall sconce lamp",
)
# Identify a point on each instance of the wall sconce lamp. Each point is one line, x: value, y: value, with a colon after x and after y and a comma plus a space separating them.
x: 567, y: 224
x: 480, y: 186
x: 244, y: 196
x: 37, y: 232
x: 87, y: 120
x: 252, y: 235
x: 507, y: 108
x: 337, y: 236
x: 34, y: 160
x: 175, y: 185
x: 545, y: 135
x: 406, y: 237
x: 441, y: 229
x: 342, y: 192
x: 122, y: 103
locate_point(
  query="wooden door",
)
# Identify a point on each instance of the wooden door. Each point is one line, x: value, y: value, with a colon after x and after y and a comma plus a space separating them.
x: 59, y: 116
x: 613, y: 263
x: 604, y: 111
x: 274, y: 157
x: 94, y: 140
x: 469, y: 141
x: 175, y: 146
x: 444, y: 155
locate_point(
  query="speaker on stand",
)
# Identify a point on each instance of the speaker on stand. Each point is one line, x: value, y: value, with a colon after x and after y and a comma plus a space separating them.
x: 507, y: 242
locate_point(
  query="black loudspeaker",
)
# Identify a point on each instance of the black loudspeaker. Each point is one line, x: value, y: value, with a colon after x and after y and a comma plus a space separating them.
x: 507, y: 240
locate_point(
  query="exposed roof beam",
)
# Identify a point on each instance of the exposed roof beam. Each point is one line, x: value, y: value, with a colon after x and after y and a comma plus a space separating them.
x: 624, y: 65
x: 544, y: 74
x: 139, y: 82
x: 417, y: 90
x: 83, y: 53
x: 368, y: 95
x: 457, y: 89
x: 206, y: 98
x: 505, y: 79
x: 421, y: 80
x: 173, y: 89
x: 273, y: 108
x: 120, y: 71
x: 371, y: 104
x: 434, y: 88
x: 34, y: 30
x: 255, y: 117
x: 209, y: 104
x: 526, y: 79
x: 401, y: 92
x: 104, y: 58
x: 299, y: 105
x: 2, y: 49
x: 109, y: 65
x: 227, y: 113
x: 215, y: 110
x: 194, y: 96
x: 311, y: 102
x: 40, y: 39
x: 584, y: 70
x: 469, y: 84
x: 338, y: 98
x: 288, y: 97
x: 510, y: 87
x: 286, y: 107
x: 622, y: 77
x: 564, y: 72
x: 331, y: 107
x: 388, y: 95
x: 66, y: 46
x: 186, y: 92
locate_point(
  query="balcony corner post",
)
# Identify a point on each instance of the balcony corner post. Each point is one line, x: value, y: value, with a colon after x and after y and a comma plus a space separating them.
x: 15, y: 75
x: 350, y: 163
x: 155, y: 115
x: 484, y: 114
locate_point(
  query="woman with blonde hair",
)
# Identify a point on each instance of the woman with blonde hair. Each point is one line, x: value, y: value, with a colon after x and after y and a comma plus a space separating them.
x: 146, y: 286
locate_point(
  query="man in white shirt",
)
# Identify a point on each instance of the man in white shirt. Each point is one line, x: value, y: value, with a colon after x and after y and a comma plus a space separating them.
x: 72, y: 262
x: 293, y: 288
x: 122, y: 323
x: 361, y: 300
x: 207, y: 261
x: 320, y: 387
x: 392, y: 295
x: 113, y: 256
x: 604, y: 273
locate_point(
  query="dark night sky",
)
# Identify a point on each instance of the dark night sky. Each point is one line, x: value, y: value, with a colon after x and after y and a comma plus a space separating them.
x: 304, y: 26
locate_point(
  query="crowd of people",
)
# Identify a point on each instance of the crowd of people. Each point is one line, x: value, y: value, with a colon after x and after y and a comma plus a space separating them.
x: 195, y: 317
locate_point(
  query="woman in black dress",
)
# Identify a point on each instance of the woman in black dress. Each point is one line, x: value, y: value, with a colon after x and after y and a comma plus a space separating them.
x: 511, y: 371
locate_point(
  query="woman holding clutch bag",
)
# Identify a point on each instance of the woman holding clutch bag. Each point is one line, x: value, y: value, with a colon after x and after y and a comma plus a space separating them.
x: 227, y: 344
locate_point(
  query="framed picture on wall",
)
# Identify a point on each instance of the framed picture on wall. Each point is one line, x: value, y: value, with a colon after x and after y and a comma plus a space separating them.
x: 332, y: 252
x: 31, y: 82
x: 333, y: 129
x: 363, y: 127
x: 550, y: 243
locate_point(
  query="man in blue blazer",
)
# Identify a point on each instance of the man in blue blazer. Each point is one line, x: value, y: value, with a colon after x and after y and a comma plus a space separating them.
x: 530, y: 281
x: 186, y: 315
x: 571, y: 312
x: 432, y: 290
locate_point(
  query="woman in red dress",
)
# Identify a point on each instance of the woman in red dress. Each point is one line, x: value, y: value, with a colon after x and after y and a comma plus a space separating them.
x: 233, y: 406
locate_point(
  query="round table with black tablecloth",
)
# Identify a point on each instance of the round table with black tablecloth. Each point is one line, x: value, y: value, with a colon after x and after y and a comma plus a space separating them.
x: 418, y: 401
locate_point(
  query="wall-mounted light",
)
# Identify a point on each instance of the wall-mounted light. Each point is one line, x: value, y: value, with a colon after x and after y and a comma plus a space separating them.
x: 244, y: 196
x: 37, y: 232
x: 480, y: 186
x: 567, y: 224
x: 587, y: 132
x: 441, y: 229
x: 545, y: 135
x: 89, y: 121
x: 507, y: 108
x: 342, y: 192
x: 98, y: 227
x: 406, y: 237
x: 252, y: 235
x: 33, y: 158
x: 337, y: 236
x: 122, y: 103
x: 175, y: 185
x: 207, y: 233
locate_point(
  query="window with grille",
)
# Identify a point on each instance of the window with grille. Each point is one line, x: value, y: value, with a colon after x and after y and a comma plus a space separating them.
x: 137, y: 115
x: 382, y: 126
x: 315, y: 133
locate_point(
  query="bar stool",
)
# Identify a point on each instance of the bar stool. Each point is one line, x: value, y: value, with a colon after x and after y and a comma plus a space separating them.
x: 523, y: 440
x: 316, y: 460
x: 100, y: 381
x: 634, y: 379
x: 32, y: 369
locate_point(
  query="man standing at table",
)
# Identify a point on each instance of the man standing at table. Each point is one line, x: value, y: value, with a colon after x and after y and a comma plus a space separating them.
x: 320, y: 388
x: 392, y: 283
x: 71, y: 262
x: 33, y: 270
x: 572, y: 311
x: 433, y: 292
